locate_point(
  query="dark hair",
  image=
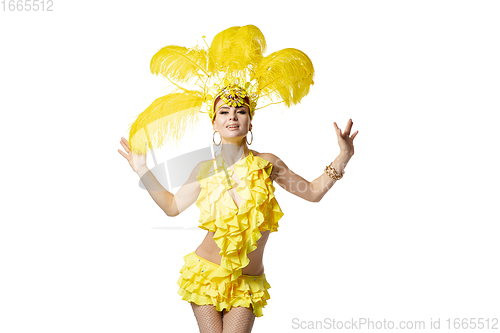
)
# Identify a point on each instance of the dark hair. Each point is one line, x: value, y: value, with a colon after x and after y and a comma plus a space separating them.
x: 246, y: 99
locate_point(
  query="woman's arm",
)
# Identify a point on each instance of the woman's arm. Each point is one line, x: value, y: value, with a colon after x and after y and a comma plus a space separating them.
x: 295, y: 184
x: 314, y: 191
x: 171, y: 204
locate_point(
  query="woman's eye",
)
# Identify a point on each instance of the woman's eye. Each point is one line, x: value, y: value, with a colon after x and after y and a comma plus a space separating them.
x: 242, y: 112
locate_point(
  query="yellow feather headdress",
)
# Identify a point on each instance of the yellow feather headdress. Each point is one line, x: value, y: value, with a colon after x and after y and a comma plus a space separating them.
x: 233, y: 67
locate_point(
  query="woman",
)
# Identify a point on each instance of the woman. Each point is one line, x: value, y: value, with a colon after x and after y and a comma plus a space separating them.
x: 223, y: 279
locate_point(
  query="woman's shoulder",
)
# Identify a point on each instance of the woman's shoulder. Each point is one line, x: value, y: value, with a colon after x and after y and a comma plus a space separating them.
x: 266, y: 156
x: 203, y: 167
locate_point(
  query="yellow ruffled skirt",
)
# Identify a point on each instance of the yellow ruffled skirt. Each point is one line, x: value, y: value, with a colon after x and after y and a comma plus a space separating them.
x: 202, y: 283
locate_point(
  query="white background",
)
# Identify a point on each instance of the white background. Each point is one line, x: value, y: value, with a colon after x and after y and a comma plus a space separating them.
x: 410, y: 232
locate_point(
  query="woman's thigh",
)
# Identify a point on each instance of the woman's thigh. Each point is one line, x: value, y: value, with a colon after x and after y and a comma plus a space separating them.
x: 208, y: 318
x: 238, y: 320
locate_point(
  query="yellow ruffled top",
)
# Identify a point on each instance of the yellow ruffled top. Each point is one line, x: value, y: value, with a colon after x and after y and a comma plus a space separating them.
x: 237, y: 230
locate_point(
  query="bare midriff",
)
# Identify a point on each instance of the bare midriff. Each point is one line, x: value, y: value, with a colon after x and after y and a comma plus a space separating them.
x: 209, y: 250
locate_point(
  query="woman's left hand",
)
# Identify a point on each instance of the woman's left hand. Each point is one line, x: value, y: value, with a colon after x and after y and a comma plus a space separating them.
x: 345, y: 139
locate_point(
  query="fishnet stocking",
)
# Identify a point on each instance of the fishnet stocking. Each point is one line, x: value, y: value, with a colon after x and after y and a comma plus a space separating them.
x: 208, y: 318
x: 238, y: 320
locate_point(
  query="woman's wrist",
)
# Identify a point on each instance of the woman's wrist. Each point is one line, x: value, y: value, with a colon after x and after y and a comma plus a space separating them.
x: 341, y: 161
x: 142, y: 171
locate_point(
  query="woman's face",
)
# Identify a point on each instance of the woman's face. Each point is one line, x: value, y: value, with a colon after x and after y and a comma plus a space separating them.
x: 237, y: 117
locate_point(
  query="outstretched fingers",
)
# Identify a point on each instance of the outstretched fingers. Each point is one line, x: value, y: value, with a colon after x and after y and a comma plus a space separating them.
x: 337, y: 129
x: 124, y: 143
x: 347, y: 131
x: 348, y: 127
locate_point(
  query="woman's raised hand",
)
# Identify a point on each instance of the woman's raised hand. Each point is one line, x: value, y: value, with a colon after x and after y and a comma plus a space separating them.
x: 136, y: 161
x: 345, y: 139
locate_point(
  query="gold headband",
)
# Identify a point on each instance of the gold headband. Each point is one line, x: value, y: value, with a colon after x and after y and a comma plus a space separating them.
x: 234, y: 95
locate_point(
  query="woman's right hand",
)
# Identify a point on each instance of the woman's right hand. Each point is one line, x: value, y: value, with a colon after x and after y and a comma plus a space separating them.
x: 136, y: 161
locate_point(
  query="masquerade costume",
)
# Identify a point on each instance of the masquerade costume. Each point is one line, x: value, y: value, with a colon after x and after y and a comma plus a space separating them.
x: 234, y: 69
x: 237, y: 231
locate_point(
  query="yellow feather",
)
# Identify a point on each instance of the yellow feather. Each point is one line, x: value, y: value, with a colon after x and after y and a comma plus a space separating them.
x: 285, y: 75
x: 235, y: 53
x: 165, y: 120
x: 179, y: 63
x: 235, y: 48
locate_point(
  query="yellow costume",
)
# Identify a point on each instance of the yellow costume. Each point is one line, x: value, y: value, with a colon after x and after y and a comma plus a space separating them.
x: 234, y: 69
x: 237, y: 231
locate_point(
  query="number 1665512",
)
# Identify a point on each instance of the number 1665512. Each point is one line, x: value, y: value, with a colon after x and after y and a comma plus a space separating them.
x: 27, y: 5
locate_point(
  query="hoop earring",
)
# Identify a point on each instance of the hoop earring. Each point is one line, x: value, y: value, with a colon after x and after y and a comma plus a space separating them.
x: 213, y: 139
x: 252, y: 139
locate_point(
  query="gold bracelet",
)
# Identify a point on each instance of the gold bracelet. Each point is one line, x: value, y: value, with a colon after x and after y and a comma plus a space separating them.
x: 333, y: 173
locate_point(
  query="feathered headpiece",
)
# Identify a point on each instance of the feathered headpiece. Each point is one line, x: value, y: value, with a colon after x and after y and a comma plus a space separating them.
x: 232, y: 68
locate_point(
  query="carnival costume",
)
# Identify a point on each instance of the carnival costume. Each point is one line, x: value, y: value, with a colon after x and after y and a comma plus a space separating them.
x: 234, y: 69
